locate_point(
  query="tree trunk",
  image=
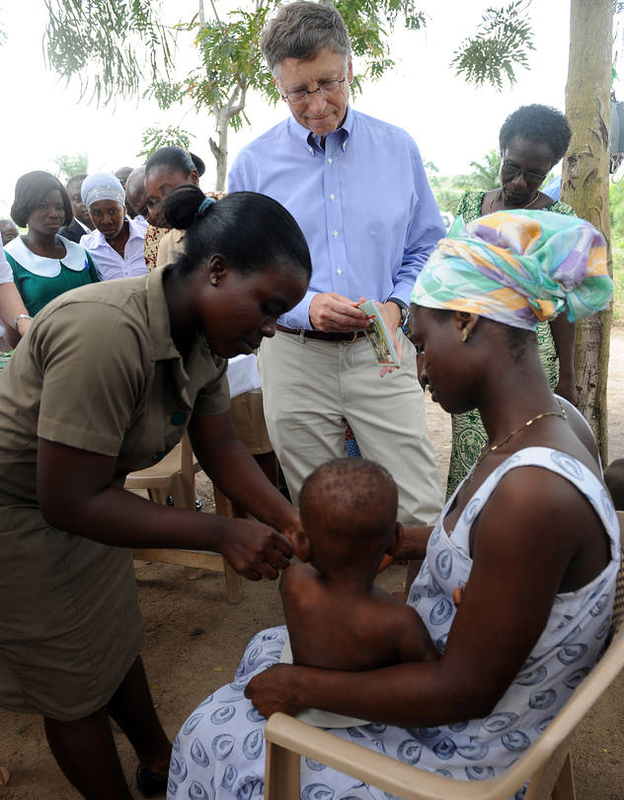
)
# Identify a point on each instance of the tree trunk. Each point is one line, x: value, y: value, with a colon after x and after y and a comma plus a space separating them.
x: 585, y: 185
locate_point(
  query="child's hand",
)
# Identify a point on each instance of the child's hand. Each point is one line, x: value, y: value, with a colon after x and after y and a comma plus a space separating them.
x: 271, y: 691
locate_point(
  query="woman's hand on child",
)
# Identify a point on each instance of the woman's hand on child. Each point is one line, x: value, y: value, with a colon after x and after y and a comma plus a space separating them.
x: 255, y: 550
x: 272, y: 690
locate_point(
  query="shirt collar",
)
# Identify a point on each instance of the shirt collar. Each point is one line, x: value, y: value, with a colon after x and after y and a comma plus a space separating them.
x: 161, y: 341
x: 309, y: 140
x: 82, y: 225
x: 162, y: 345
x: 136, y: 231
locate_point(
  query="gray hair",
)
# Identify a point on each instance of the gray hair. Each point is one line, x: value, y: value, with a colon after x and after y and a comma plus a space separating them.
x: 301, y: 29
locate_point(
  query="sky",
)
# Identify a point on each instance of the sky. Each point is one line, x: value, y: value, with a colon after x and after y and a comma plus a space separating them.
x: 453, y: 124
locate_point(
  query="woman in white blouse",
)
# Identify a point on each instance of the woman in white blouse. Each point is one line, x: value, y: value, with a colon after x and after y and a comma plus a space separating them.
x: 117, y: 243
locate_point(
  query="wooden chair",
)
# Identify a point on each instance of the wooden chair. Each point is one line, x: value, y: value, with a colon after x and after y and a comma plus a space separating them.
x: 546, y: 765
x: 174, y: 475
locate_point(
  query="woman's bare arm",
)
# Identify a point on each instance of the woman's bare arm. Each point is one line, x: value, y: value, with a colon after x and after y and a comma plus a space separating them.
x: 74, y: 492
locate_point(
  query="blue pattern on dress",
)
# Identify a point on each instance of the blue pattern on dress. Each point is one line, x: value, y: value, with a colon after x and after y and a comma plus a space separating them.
x: 570, y: 644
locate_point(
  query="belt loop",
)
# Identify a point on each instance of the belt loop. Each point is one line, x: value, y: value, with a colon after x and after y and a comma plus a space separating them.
x: 355, y: 336
x: 302, y: 335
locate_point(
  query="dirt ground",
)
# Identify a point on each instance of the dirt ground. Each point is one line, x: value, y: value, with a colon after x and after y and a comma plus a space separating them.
x: 194, y: 640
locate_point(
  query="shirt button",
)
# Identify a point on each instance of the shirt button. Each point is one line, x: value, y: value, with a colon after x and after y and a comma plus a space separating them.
x: 329, y: 160
x: 332, y: 196
x: 310, y: 150
x: 335, y: 234
x: 177, y: 418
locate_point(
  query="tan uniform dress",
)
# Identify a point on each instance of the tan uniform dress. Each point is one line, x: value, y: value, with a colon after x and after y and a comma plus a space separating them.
x: 98, y: 371
x: 246, y: 409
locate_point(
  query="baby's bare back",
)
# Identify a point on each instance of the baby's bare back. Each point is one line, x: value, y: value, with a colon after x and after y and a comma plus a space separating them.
x: 334, y: 628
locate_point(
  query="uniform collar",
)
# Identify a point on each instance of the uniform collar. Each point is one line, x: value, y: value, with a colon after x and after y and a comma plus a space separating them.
x: 162, y: 344
x: 75, y: 258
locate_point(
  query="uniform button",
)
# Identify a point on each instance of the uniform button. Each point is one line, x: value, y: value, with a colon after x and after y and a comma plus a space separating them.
x: 335, y: 234
x: 339, y: 271
x: 332, y: 196
x: 329, y: 160
x: 177, y: 418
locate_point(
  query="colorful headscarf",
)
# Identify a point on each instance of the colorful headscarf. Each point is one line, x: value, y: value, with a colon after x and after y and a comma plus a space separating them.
x: 102, y: 186
x: 519, y: 268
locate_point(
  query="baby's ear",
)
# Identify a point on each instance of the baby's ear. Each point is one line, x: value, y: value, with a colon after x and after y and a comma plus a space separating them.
x: 301, y: 546
x: 397, y: 540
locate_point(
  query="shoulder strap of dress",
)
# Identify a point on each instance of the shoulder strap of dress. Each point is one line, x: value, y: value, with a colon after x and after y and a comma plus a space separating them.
x: 562, y: 464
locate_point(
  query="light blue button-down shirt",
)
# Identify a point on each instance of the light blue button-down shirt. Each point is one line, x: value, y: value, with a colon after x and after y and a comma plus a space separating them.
x: 363, y: 203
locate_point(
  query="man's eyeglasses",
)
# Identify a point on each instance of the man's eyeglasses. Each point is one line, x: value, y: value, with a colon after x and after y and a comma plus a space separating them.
x: 301, y: 95
x: 513, y: 170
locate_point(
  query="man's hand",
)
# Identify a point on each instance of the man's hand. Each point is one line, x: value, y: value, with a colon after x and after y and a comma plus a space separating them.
x: 391, y: 314
x: 333, y: 313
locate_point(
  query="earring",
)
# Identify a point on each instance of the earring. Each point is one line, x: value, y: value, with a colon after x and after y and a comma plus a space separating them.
x: 214, y: 280
x: 464, y: 335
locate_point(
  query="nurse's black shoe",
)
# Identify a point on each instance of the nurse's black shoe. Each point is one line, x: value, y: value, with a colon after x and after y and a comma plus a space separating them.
x: 149, y: 783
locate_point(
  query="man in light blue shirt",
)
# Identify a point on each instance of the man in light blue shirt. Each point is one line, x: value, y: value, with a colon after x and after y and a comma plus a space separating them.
x: 358, y: 189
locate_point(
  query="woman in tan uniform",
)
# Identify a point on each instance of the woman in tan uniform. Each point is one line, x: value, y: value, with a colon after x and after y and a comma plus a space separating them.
x: 165, y: 169
x: 106, y: 382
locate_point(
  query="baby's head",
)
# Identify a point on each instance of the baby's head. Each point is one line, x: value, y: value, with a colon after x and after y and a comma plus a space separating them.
x: 348, y: 511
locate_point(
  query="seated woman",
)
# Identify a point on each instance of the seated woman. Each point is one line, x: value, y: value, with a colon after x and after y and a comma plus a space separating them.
x: 117, y: 244
x: 531, y: 535
x: 532, y: 140
x: 106, y: 382
x: 45, y: 264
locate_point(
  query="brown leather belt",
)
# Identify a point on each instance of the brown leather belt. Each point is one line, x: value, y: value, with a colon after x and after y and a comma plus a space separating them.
x: 322, y: 336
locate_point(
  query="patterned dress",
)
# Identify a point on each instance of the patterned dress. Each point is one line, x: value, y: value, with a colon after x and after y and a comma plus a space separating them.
x: 219, y: 752
x: 468, y: 434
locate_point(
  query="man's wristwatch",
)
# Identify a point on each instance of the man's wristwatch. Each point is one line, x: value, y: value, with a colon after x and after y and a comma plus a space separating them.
x: 404, y: 309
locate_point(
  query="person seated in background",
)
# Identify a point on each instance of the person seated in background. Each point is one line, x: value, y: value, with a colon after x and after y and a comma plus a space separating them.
x: 117, y: 244
x: 81, y: 222
x: 533, y: 139
x: 136, y: 195
x: 336, y: 617
x: 44, y: 263
x: 614, y: 478
x: 8, y: 231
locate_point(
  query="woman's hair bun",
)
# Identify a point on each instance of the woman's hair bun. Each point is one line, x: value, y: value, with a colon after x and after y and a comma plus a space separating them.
x: 182, y: 204
x: 199, y: 164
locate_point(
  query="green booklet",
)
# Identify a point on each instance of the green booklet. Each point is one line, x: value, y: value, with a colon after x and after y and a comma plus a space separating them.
x: 378, y: 336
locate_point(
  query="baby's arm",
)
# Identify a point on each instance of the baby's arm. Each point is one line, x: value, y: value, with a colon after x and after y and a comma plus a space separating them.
x: 415, y: 644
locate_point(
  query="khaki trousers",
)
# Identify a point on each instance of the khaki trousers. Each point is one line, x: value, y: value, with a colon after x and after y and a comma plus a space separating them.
x: 310, y: 387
